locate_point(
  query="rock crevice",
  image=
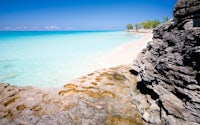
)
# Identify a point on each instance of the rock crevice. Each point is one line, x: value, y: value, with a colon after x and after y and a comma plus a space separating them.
x: 170, y: 65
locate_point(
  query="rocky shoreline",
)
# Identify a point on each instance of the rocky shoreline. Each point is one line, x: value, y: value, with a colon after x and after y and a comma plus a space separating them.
x: 99, y: 98
x: 162, y: 86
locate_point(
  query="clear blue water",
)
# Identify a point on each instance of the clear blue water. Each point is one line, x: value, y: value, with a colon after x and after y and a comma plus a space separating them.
x: 53, y: 58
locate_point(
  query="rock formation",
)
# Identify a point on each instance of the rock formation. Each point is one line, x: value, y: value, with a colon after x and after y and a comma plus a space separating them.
x: 169, y: 68
x: 162, y: 86
x: 99, y: 98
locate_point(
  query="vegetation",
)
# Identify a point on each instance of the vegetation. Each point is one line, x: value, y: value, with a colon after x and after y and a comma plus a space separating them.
x: 148, y: 24
x: 165, y: 19
x: 155, y: 23
x: 137, y: 26
x: 129, y: 26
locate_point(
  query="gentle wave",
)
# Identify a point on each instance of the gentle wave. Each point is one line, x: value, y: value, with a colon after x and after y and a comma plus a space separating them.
x: 53, y: 58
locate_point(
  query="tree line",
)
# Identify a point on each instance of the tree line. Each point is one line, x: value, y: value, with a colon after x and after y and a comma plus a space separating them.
x: 148, y: 24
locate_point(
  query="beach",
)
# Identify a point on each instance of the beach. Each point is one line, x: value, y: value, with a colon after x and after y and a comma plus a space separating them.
x: 50, y: 59
x: 126, y: 53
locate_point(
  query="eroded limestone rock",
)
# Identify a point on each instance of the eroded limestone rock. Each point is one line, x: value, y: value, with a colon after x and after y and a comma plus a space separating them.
x: 170, y: 65
x: 99, y: 98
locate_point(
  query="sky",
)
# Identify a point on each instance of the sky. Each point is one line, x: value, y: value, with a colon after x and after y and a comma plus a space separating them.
x: 80, y: 14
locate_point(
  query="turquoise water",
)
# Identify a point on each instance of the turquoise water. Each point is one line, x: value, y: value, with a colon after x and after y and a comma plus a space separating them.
x: 53, y: 58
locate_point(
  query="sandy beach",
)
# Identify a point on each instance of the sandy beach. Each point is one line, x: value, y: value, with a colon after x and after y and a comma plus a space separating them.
x: 126, y: 53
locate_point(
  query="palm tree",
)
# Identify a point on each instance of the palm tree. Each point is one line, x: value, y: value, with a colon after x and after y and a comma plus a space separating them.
x: 165, y: 19
x: 137, y: 26
x: 129, y: 26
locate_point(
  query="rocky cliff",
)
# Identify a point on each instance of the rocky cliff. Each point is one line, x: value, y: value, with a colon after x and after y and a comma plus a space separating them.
x: 169, y: 68
x: 162, y: 86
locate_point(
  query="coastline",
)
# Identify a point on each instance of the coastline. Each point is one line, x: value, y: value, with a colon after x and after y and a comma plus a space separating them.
x: 126, y: 53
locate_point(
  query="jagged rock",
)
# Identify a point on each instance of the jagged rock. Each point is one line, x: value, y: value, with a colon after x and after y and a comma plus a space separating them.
x: 170, y: 65
x: 187, y: 14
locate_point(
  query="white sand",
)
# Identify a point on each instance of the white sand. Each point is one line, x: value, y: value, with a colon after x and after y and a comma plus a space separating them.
x: 126, y: 53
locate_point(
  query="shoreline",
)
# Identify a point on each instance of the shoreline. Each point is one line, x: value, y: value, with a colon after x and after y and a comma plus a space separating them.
x: 120, y: 55
x: 126, y: 53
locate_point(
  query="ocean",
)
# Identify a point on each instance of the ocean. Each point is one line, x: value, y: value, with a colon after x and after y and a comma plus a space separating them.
x: 53, y: 58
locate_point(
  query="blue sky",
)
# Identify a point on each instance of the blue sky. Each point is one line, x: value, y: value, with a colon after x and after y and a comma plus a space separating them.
x: 80, y: 14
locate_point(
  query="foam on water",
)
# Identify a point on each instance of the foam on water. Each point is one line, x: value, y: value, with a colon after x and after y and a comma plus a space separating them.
x: 51, y: 59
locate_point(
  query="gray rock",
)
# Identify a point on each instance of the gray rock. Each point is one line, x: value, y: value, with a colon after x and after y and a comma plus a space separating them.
x: 172, y: 66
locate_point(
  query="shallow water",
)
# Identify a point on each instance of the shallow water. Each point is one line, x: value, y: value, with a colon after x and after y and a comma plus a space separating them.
x: 53, y: 58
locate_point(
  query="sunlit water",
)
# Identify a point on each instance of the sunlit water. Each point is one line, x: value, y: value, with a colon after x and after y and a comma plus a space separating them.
x: 53, y: 58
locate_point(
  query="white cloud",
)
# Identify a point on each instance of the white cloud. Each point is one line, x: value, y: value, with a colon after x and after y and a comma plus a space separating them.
x: 49, y: 27
x: 7, y: 28
x: 15, y: 28
x: 21, y: 28
x: 52, y: 27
